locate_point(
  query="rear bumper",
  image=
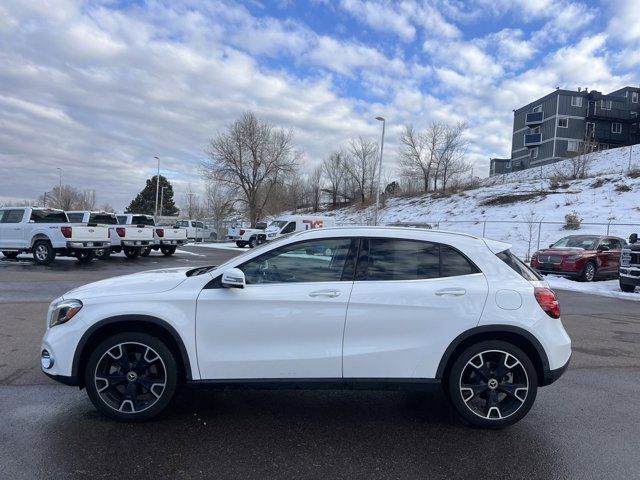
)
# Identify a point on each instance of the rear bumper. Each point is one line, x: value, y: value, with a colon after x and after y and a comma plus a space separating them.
x: 163, y: 243
x: 551, y: 376
x: 136, y: 243
x: 88, y: 245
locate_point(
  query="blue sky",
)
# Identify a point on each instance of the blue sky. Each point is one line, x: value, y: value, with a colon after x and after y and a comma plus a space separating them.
x: 100, y: 88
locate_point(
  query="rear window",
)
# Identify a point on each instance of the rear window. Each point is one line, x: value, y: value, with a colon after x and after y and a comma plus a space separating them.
x: 181, y: 223
x: 103, y: 219
x: 519, y: 266
x: 49, y: 216
x: 142, y: 220
x: 75, y: 217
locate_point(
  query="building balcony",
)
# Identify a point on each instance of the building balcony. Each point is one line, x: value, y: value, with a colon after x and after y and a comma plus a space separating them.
x: 532, y: 139
x: 534, y: 118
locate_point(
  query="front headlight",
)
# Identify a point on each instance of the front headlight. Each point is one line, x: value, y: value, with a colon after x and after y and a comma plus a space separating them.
x: 572, y: 258
x: 64, y: 311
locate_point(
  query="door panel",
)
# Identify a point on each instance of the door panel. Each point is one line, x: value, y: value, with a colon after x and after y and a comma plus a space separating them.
x: 400, y: 329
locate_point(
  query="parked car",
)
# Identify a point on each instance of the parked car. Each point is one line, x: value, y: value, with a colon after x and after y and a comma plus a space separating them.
x: 581, y: 257
x: 130, y: 238
x: 165, y: 239
x: 196, y: 230
x: 246, y: 236
x: 280, y: 226
x: 630, y: 265
x: 45, y: 233
x: 372, y: 307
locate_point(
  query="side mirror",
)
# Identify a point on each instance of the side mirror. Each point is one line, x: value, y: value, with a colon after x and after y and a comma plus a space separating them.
x: 233, y: 278
x: 633, y: 238
x: 603, y: 248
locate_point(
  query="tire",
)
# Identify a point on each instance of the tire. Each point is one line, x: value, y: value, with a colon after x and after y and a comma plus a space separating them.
x: 84, y: 256
x: 11, y: 255
x: 252, y: 242
x: 131, y: 252
x: 240, y: 244
x: 168, y: 251
x: 103, y: 253
x: 625, y: 287
x: 481, y: 384
x: 589, y: 272
x: 43, y: 252
x: 145, y: 252
x: 132, y: 389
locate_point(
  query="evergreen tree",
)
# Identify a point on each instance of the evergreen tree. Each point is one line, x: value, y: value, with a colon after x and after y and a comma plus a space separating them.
x: 145, y: 201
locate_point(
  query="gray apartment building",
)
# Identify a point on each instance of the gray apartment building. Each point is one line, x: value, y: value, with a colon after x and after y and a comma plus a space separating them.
x: 556, y: 126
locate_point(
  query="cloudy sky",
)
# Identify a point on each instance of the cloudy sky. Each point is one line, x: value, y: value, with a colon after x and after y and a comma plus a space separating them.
x: 100, y: 88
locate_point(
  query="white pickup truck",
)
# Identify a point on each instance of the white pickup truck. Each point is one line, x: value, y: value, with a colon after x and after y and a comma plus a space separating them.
x: 46, y: 232
x: 165, y: 239
x: 277, y: 228
x: 196, y: 230
x: 130, y: 238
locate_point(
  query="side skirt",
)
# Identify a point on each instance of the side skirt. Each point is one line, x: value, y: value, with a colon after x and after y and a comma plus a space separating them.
x: 410, y: 384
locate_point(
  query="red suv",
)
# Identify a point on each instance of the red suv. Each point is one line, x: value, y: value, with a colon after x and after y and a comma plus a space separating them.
x: 582, y: 257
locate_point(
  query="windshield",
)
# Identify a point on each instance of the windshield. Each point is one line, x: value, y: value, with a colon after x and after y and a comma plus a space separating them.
x: 103, y: 218
x: 586, y: 242
x: 142, y: 220
x: 278, y: 224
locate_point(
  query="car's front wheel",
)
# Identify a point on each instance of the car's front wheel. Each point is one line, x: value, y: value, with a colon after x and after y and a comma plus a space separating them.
x: 492, y: 384
x: 131, y: 377
x: 589, y: 272
x: 625, y: 287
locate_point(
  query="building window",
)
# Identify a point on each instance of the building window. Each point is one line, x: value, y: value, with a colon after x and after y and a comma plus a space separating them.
x: 572, y: 146
x: 605, y: 104
x: 537, y: 109
x: 576, y: 101
x: 634, y: 97
x: 533, y: 153
x: 616, y: 127
x: 563, y: 123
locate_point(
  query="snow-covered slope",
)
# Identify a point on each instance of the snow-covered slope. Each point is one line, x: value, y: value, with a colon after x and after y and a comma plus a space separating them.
x: 607, y: 200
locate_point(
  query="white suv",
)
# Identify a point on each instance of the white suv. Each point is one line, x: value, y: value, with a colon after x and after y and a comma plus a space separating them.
x: 334, y: 308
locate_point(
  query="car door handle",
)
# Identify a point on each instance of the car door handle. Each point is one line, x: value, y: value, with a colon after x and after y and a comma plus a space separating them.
x: 451, y: 291
x: 325, y: 293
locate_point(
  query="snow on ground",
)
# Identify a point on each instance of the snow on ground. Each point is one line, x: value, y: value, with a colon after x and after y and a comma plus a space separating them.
x: 607, y: 288
x: 226, y: 245
x: 607, y: 201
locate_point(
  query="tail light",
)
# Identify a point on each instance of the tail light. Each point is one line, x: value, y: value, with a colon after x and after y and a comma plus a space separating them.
x: 120, y: 231
x: 66, y: 231
x: 241, y: 232
x: 548, y: 301
x: 160, y: 232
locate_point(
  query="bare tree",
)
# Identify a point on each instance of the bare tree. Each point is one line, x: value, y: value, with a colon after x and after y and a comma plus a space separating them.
x: 450, y: 158
x: 361, y: 166
x: 105, y: 207
x: 220, y: 204
x: 249, y: 158
x: 314, y: 188
x: 419, y: 150
x: 333, y: 169
x: 579, y: 164
x: 69, y: 198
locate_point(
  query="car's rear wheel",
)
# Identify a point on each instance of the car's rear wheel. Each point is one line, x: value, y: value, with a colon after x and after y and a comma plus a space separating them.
x: 168, y: 251
x: 84, y: 256
x: 589, y: 272
x: 240, y: 244
x: 131, y: 377
x: 11, y: 255
x: 145, y: 252
x: 103, y: 253
x: 131, y: 252
x: 43, y: 252
x: 252, y: 242
x: 625, y: 287
x: 492, y: 384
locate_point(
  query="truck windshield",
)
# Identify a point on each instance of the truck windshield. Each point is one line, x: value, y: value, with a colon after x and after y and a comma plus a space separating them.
x: 142, y: 220
x: 586, y: 242
x: 278, y: 224
x: 103, y: 219
x: 49, y: 216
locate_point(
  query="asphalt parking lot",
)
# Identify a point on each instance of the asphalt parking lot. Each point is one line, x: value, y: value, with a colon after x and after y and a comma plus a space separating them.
x: 584, y: 426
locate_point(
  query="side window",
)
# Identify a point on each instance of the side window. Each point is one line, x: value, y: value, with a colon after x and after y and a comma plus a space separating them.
x: 454, y: 264
x: 12, y: 216
x: 291, y: 227
x: 311, y: 261
x: 75, y: 217
x: 391, y: 259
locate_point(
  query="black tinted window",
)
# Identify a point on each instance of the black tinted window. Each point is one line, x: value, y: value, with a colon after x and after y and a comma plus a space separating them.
x: 49, y: 216
x: 103, y: 219
x: 289, y: 228
x: 75, y: 217
x: 142, y: 220
x: 519, y: 266
x: 11, y: 216
x: 313, y: 261
x: 392, y: 259
x: 122, y: 219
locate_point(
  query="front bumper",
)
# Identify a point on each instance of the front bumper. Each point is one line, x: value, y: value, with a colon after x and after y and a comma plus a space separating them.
x: 88, y: 245
x: 70, y: 381
x: 556, y: 269
x: 630, y: 277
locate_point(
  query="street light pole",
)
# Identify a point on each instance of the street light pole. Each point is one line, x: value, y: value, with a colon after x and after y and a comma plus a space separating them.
x: 161, y: 199
x: 375, y: 218
x: 157, y: 187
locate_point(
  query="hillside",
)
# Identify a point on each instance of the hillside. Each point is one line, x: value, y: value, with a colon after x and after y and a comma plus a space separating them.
x: 510, y: 207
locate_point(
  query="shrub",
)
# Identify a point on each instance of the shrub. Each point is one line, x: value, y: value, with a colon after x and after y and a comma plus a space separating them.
x: 635, y: 173
x: 621, y: 187
x: 572, y: 221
